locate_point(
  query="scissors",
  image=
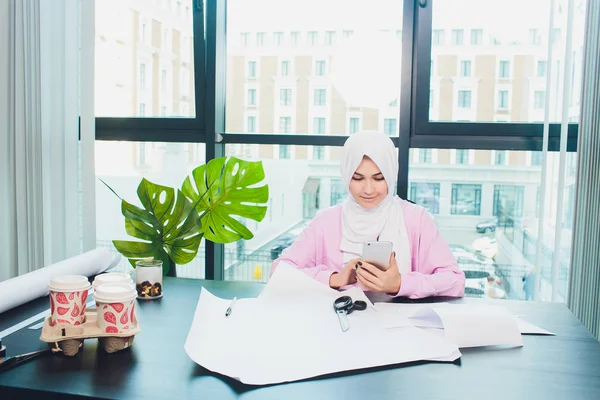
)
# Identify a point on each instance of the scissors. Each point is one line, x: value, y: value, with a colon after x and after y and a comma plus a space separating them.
x: 344, y: 306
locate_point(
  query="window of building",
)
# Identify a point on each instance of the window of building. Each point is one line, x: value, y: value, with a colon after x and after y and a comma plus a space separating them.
x: 278, y: 38
x: 476, y: 37
x: 329, y: 38
x: 285, y: 97
x: 466, y: 199
x: 542, y: 66
x: 539, y: 99
x: 437, y: 37
x: 285, y: 124
x: 504, y: 69
x: 141, y: 154
x: 426, y: 195
x: 285, y: 152
x: 294, y: 38
x: 319, y: 125
x: 425, y: 156
x: 465, y: 68
x: 503, y: 99
x: 251, y: 69
x: 508, y: 202
x: 251, y: 124
x: 462, y: 156
x: 163, y: 79
x: 534, y: 37
x: 500, y: 157
x: 318, y: 152
x: 244, y: 38
x: 464, y: 99
x: 313, y: 37
x: 353, y: 125
x: 142, y: 76
x: 251, y: 97
x: 338, y: 191
x: 390, y: 126
x: 320, y: 97
x: 457, y: 37
x: 320, y: 68
x: 142, y: 112
x: 285, y: 68
x: 260, y: 39
x: 536, y: 158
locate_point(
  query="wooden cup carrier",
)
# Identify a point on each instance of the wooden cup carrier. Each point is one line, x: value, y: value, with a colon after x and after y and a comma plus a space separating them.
x: 69, y: 339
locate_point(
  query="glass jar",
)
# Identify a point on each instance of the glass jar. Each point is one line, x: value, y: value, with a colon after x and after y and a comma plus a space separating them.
x: 148, y: 279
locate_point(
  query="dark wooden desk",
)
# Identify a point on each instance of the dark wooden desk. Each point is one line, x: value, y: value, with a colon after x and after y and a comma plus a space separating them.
x: 566, y: 366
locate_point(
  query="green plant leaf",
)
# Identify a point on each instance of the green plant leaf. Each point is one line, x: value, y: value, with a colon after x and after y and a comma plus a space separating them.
x: 229, y: 187
x: 168, y: 224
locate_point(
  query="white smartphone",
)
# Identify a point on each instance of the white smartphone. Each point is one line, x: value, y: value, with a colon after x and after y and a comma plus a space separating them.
x: 378, y: 254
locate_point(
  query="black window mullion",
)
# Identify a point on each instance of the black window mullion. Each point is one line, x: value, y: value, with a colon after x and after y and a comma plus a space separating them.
x: 214, y: 111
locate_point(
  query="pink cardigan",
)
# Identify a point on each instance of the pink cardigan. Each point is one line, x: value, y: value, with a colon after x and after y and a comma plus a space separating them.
x: 434, y: 269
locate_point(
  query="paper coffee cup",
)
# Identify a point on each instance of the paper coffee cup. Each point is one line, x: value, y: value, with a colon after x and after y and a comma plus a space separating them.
x: 116, y: 307
x: 68, y: 295
x: 112, y: 277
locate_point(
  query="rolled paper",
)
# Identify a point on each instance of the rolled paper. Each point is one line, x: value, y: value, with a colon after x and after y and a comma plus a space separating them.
x: 24, y: 288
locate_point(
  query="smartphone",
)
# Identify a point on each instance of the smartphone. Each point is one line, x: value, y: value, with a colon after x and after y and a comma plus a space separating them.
x: 378, y: 254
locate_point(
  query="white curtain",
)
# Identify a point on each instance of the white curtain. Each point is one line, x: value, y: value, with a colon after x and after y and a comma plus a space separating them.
x: 40, y: 181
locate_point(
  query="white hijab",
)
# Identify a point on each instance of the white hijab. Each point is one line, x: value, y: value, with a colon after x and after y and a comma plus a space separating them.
x: 386, y: 221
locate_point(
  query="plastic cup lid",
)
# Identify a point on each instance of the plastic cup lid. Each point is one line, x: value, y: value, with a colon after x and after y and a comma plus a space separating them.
x: 71, y: 283
x: 112, y: 277
x: 111, y: 292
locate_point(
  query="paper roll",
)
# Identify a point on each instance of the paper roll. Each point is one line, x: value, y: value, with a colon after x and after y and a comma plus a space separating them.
x: 30, y: 286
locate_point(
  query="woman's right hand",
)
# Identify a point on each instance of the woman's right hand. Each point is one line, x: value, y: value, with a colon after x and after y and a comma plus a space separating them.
x: 347, y: 276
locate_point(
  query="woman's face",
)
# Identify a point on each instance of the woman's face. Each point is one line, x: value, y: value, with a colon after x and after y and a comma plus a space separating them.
x: 367, y: 186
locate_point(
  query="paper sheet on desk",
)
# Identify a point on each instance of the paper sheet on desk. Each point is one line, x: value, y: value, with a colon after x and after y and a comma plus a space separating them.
x: 277, y: 338
x: 406, y: 310
x: 26, y: 287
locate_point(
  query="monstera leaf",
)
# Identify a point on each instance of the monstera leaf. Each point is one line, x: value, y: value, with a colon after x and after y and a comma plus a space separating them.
x: 168, y: 224
x: 229, y: 186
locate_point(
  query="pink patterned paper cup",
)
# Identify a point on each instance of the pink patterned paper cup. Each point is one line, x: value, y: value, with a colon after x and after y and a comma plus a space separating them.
x: 110, y: 278
x: 68, y: 296
x: 116, y: 307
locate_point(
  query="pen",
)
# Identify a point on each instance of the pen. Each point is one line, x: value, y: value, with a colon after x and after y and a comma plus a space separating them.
x: 228, y: 312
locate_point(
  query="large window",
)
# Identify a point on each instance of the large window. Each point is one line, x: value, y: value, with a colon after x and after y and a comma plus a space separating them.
x: 283, y: 92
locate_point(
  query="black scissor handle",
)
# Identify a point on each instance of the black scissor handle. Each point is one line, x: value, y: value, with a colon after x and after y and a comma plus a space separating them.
x: 359, y: 305
x: 343, y: 303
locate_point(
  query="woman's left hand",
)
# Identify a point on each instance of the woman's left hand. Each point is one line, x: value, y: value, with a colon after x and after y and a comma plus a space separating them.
x: 374, y: 279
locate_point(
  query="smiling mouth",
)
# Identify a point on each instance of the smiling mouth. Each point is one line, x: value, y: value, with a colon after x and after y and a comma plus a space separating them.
x: 369, y: 198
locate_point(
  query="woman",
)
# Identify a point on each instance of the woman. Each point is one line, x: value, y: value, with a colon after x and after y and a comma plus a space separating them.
x: 329, y: 248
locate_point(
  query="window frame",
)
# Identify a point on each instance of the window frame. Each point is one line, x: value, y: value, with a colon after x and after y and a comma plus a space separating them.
x: 415, y: 130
